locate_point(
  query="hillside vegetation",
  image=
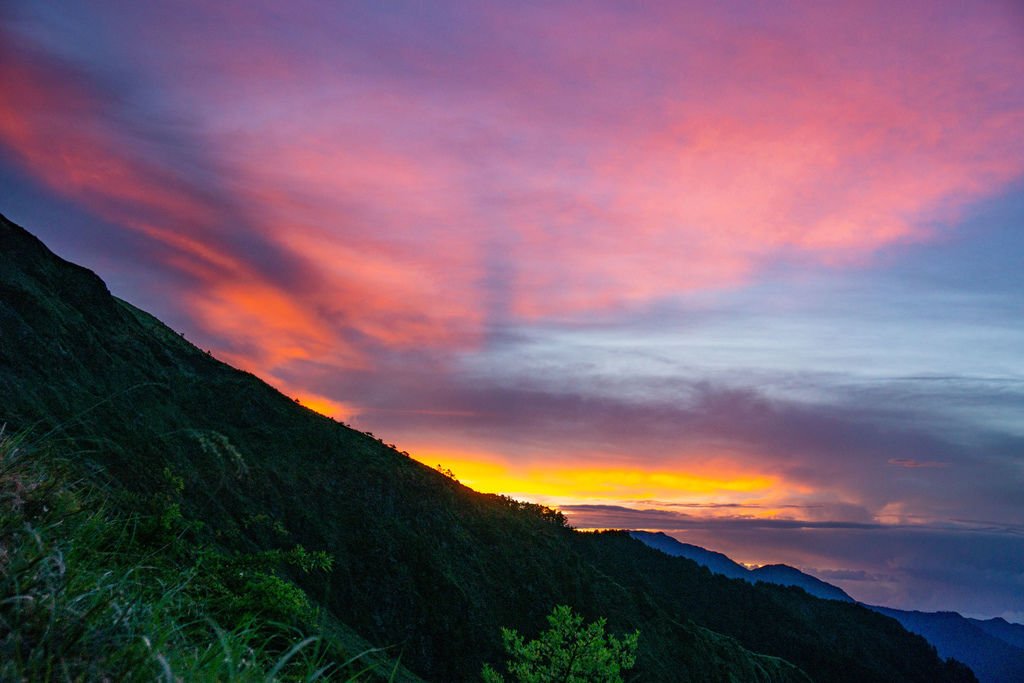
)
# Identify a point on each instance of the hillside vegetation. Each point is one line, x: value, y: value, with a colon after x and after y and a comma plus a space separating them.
x: 91, y: 592
x: 412, y: 560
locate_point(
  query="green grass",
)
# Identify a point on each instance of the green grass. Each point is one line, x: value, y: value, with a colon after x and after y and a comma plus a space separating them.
x: 88, y: 593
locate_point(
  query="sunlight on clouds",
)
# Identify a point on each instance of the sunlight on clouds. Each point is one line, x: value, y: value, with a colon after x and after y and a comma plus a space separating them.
x: 272, y: 325
x: 419, y: 213
x: 392, y: 294
x: 327, y: 407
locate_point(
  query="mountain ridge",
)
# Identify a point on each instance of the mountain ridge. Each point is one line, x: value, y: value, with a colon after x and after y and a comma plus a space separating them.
x: 990, y: 647
x: 779, y: 574
x: 421, y: 563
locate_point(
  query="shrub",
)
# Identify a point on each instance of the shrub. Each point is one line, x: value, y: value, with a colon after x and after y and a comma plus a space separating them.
x: 567, y: 652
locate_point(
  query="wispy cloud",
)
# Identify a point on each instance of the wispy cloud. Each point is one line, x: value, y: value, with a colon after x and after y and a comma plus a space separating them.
x: 910, y: 463
x: 723, y: 144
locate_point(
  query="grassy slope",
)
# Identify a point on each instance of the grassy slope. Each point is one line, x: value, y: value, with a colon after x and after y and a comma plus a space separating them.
x: 420, y: 562
x: 85, y: 595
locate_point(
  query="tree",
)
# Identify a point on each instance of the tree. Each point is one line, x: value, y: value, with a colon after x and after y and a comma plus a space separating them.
x: 568, y: 652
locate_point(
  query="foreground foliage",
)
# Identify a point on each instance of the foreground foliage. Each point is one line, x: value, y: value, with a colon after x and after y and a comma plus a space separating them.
x: 91, y: 592
x: 567, y: 652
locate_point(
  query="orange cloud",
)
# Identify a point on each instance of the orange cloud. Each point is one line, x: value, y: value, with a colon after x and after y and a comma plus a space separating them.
x: 69, y: 139
x: 325, y: 406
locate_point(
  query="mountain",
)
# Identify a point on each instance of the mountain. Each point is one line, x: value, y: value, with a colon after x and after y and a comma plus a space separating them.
x: 784, y: 575
x: 1002, y: 629
x: 716, y: 562
x: 992, y: 648
x: 992, y: 658
x: 419, y: 564
x: 779, y: 574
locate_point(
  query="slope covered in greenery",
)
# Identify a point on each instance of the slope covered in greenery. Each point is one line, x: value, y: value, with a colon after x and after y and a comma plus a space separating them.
x: 418, y: 562
x: 92, y: 592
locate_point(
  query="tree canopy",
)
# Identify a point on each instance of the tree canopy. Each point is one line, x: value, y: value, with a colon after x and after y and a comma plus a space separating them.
x: 567, y: 652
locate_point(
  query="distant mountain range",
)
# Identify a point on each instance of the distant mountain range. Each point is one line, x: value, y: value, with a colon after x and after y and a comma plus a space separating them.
x: 993, y: 648
x: 780, y: 574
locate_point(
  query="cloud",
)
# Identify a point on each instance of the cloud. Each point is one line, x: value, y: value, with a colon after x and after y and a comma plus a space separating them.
x: 618, y: 517
x: 350, y: 192
x: 562, y: 165
x: 77, y: 135
x: 849, y: 575
x: 910, y: 463
x: 820, y: 462
x: 259, y: 291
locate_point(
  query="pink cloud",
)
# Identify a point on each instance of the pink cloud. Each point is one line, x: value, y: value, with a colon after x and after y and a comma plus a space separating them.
x: 629, y: 157
x: 526, y: 165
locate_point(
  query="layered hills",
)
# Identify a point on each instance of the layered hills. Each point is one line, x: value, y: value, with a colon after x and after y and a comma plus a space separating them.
x: 993, y: 648
x: 779, y: 574
x: 419, y: 564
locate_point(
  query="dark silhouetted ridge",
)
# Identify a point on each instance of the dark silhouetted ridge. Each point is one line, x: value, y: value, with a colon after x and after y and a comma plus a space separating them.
x: 421, y: 564
x: 991, y: 648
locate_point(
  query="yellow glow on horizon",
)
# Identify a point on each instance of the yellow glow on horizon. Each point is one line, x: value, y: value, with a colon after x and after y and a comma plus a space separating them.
x: 586, y: 482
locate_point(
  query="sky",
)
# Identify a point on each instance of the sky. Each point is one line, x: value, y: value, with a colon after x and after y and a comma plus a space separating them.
x: 751, y: 273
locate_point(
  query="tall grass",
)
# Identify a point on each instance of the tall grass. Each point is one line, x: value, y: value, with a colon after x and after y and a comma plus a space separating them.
x: 82, y: 599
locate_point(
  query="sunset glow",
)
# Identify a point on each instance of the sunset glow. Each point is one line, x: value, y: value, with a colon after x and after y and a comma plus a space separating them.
x: 721, y: 261
x: 583, y: 483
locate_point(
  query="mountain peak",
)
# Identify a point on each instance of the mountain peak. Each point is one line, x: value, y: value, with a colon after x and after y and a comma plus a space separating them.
x: 779, y: 574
